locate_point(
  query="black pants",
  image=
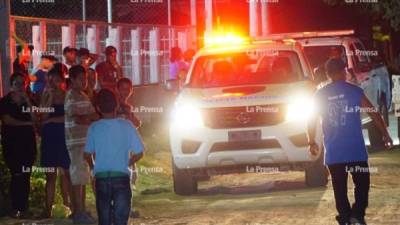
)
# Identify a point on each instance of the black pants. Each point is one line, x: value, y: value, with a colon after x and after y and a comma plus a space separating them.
x: 19, y: 190
x: 361, y: 179
x: 19, y: 153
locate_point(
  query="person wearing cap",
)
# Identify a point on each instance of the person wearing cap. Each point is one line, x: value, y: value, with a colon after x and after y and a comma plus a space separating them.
x: 85, y: 58
x: 338, y: 105
x: 109, y: 71
x: 70, y: 55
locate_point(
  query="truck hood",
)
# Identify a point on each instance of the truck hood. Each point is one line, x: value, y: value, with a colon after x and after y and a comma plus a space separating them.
x: 245, y: 95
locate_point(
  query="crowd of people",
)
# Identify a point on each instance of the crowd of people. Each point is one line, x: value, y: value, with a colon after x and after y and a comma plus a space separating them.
x: 84, y: 119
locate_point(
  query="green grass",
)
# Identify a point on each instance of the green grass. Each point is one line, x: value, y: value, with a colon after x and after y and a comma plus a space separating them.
x: 154, y: 196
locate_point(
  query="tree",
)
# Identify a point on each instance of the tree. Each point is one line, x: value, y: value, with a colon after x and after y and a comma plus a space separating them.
x: 388, y: 9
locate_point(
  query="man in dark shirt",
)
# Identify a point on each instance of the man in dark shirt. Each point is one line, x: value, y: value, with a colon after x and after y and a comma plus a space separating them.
x: 23, y: 59
x: 70, y: 55
x: 86, y: 58
x: 109, y: 72
x: 339, y: 105
x: 18, y: 142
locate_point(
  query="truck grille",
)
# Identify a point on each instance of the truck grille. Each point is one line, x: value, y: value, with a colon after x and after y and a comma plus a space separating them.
x: 244, y: 116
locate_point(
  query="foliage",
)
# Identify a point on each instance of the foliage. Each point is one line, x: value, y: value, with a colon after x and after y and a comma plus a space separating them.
x: 388, y: 9
x: 4, y: 182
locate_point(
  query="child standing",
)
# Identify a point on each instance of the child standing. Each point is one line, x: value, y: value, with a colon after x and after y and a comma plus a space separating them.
x: 116, y: 146
x: 79, y: 113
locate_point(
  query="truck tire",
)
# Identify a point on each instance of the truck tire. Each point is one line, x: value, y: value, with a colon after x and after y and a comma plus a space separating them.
x: 316, y: 173
x: 184, y: 182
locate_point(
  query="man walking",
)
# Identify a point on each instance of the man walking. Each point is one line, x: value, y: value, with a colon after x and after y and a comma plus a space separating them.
x: 339, y: 105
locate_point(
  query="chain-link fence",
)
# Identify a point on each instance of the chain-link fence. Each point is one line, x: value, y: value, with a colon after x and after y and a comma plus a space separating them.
x: 145, y: 62
x: 123, y: 11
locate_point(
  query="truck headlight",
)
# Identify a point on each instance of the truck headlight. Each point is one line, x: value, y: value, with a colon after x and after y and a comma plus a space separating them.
x: 187, y: 116
x: 300, y: 108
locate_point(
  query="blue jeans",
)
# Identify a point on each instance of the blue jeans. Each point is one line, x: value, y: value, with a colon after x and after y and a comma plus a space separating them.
x: 113, y: 200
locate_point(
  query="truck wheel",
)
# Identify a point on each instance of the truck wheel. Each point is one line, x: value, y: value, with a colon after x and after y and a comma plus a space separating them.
x: 184, y: 182
x: 316, y: 173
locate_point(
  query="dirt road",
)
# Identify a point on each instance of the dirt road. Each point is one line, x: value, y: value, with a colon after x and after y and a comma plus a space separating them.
x: 259, y: 199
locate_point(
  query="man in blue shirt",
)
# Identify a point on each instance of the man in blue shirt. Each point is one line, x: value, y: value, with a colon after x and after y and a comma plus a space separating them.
x: 339, y: 105
x: 115, y: 146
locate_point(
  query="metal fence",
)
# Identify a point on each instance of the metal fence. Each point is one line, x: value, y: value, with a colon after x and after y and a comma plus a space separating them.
x: 126, y: 11
x: 143, y: 49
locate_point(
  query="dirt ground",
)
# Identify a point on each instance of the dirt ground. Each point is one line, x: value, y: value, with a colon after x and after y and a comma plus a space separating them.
x: 263, y: 199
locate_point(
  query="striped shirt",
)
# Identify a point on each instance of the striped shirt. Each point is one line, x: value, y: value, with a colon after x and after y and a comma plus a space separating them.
x: 76, y: 104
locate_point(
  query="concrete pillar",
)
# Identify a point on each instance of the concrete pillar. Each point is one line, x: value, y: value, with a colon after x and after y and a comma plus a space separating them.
x: 136, y: 57
x: 114, y: 39
x: 193, y: 20
x: 91, y: 39
x: 37, y: 46
x: 253, y: 12
x: 264, y: 18
x: 154, y: 47
x: 183, y: 41
x: 209, y: 18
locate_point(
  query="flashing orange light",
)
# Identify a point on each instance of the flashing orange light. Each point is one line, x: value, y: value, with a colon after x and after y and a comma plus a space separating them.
x: 228, y: 39
x: 290, y: 40
x: 228, y: 95
x: 264, y: 42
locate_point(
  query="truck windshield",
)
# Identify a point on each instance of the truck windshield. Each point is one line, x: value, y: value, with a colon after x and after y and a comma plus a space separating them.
x: 319, y: 55
x: 251, y: 67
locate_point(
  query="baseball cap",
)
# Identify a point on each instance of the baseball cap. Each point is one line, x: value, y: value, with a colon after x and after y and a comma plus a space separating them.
x: 49, y: 57
x: 83, y: 51
x: 69, y: 49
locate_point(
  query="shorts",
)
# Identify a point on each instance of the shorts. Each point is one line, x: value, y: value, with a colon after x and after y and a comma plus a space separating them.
x: 78, y: 169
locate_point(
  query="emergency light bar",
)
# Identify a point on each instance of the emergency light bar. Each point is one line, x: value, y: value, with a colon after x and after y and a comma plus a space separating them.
x: 228, y: 39
x: 301, y: 35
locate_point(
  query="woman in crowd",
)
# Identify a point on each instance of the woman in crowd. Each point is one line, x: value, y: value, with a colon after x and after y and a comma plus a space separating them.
x: 18, y: 141
x: 177, y: 67
x: 54, y: 151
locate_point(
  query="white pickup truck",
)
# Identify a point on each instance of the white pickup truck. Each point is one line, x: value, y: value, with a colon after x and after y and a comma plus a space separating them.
x: 373, y: 77
x: 244, y: 108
